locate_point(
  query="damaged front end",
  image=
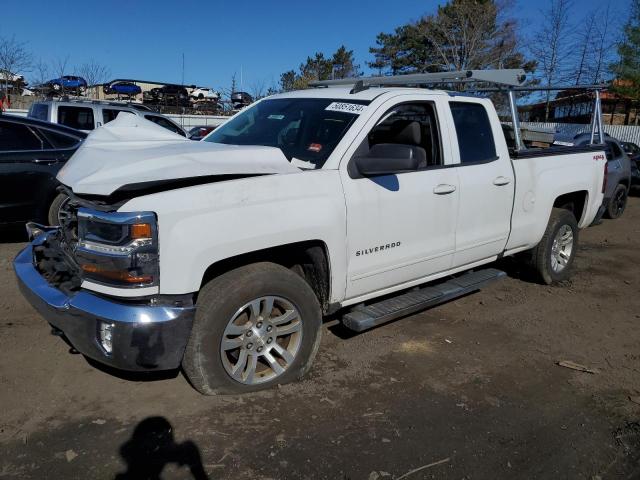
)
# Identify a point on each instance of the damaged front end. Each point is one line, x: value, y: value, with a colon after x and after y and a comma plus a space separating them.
x: 130, y: 332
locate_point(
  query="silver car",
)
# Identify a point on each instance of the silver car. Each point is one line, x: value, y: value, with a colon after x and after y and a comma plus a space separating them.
x: 87, y: 115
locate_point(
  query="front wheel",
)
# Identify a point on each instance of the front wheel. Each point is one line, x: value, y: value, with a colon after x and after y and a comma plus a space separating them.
x: 58, y: 202
x: 553, y: 257
x: 255, y: 327
x: 618, y: 202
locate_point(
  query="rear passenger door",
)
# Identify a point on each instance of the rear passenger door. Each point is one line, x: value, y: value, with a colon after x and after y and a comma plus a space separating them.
x: 27, y: 170
x: 486, y: 183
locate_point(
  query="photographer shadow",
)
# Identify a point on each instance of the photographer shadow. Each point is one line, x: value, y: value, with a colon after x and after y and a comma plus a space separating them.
x: 152, y: 446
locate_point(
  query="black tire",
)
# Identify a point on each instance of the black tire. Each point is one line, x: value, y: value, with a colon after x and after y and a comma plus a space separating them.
x: 220, y: 299
x: 541, y: 255
x: 617, y: 203
x: 54, y: 208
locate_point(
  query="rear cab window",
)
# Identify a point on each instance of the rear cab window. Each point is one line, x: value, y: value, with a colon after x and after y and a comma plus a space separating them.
x: 474, y: 133
x: 80, y: 118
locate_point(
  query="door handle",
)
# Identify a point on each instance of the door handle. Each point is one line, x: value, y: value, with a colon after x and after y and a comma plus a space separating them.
x: 500, y: 181
x: 444, y: 188
x: 45, y: 161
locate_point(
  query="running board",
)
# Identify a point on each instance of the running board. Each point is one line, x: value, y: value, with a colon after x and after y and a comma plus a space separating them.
x: 369, y: 316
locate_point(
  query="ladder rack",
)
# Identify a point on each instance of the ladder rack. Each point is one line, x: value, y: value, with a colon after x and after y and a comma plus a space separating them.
x: 511, y: 77
x: 509, y: 81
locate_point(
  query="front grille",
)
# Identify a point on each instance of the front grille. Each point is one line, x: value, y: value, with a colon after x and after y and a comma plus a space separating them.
x: 54, y: 258
x: 57, y: 266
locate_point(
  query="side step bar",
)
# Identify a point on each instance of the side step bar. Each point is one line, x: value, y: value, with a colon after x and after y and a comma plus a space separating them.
x: 369, y: 316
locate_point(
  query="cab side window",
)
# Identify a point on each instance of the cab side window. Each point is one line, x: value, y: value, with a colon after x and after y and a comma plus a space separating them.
x: 80, y: 118
x: 413, y: 125
x: 110, y: 114
x: 473, y: 129
x: 163, y: 122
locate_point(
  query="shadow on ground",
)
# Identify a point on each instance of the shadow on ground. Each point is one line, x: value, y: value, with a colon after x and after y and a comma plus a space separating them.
x: 152, y: 447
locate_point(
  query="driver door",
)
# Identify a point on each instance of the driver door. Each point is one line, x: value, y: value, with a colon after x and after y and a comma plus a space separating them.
x: 400, y: 227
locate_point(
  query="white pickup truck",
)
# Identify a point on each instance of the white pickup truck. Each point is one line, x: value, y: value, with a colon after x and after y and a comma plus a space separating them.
x: 223, y: 256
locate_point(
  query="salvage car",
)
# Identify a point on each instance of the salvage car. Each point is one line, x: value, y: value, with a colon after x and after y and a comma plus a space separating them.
x: 87, y: 115
x: 369, y: 204
x: 619, y: 172
x: 633, y: 152
x: 204, y: 93
x: 170, y: 94
x: 31, y: 155
x: 200, y: 131
x: 65, y: 84
x: 122, y: 88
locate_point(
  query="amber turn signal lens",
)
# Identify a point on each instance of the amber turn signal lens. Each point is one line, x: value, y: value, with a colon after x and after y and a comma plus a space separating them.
x: 140, y: 230
x: 121, y: 275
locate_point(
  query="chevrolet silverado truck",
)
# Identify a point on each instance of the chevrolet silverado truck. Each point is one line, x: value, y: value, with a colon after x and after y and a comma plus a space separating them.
x: 222, y: 257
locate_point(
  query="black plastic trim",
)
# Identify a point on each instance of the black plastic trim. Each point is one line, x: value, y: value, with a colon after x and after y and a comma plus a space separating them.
x: 556, y: 150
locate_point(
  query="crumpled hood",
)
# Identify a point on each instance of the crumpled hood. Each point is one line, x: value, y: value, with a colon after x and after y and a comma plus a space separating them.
x: 131, y: 149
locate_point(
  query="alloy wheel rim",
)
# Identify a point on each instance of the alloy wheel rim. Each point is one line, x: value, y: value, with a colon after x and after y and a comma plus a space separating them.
x: 261, y: 340
x: 562, y: 248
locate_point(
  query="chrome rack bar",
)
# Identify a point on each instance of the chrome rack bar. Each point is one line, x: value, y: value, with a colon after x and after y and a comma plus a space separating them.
x: 515, y: 120
x: 511, y: 77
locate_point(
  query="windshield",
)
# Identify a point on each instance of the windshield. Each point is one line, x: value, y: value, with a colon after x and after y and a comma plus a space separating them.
x: 306, y: 129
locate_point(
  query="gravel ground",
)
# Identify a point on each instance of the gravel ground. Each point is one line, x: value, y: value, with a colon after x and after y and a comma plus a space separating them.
x: 470, y: 389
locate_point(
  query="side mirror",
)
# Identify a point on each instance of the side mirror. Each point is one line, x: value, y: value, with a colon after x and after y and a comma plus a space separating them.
x: 389, y: 159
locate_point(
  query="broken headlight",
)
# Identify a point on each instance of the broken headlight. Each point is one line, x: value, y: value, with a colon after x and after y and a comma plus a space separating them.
x: 118, y: 249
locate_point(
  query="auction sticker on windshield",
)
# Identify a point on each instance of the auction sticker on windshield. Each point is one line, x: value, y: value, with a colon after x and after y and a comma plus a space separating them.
x: 354, y: 108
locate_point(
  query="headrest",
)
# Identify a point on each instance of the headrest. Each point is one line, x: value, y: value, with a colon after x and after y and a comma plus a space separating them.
x: 411, y: 134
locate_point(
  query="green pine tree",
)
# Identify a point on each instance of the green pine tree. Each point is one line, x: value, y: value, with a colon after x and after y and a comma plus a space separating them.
x: 627, y: 69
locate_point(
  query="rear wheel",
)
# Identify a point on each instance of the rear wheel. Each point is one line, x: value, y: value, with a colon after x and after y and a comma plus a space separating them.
x: 618, y: 202
x: 255, y: 327
x: 553, y: 257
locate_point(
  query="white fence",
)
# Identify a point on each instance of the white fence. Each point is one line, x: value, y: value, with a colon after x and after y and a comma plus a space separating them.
x: 188, y: 121
x: 626, y: 133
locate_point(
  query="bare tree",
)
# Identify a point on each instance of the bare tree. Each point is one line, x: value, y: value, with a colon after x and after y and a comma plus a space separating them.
x: 604, y: 46
x: 551, y: 46
x: 258, y: 89
x: 14, y: 58
x: 93, y: 72
x: 41, y: 72
x: 583, y: 48
x: 60, y: 68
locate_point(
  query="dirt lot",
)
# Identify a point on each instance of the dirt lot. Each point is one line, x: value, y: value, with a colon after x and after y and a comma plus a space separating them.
x: 472, y: 384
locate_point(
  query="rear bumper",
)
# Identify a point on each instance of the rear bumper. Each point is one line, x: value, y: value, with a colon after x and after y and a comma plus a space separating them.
x: 144, y: 337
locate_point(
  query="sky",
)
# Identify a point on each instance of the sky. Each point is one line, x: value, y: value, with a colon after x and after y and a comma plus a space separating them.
x: 256, y: 39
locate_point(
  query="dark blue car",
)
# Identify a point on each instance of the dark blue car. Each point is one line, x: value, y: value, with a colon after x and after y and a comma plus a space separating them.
x: 68, y: 83
x: 122, y: 88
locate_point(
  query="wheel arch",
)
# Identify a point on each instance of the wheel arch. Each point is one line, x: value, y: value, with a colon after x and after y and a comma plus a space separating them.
x: 576, y: 202
x: 309, y: 259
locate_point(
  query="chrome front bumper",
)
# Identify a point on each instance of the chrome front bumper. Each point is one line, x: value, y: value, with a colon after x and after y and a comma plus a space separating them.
x: 144, y: 337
